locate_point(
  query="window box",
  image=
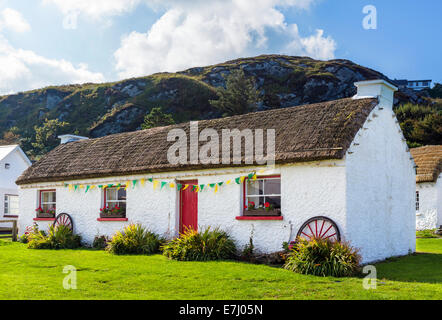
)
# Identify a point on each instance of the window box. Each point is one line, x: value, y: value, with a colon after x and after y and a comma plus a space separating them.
x: 262, y: 212
x: 45, y: 215
x: 112, y: 219
x: 113, y: 215
x: 266, y: 218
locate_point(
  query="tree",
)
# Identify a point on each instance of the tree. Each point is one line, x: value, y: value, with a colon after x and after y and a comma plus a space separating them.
x: 157, y: 118
x: 11, y: 137
x: 46, y: 136
x: 240, y: 95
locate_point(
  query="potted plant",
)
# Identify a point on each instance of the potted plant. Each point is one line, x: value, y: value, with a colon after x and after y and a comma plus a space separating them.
x: 48, y: 213
x: 112, y: 212
x: 263, y: 210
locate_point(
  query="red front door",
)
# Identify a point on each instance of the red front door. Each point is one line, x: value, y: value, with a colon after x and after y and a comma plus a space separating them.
x: 188, y: 207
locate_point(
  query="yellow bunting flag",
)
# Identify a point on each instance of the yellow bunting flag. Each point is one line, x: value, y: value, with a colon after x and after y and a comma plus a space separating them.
x: 70, y: 187
x: 243, y: 178
x: 229, y: 182
x: 143, y: 181
x: 216, y: 188
x: 197, y: 188
x: 254, y: 176
x: 155, y: 184
x: 172, y: 185
x: 81, y: 186
x: 185, y: 187
x: 93, y: 187
x: 127, y: 185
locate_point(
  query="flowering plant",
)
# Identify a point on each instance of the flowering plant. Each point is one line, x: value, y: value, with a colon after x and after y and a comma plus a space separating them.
x: 47, y: 212
x: 112, y: 211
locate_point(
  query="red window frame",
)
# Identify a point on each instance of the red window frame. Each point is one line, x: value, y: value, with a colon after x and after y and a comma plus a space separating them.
x: 105, y: 194
x: 258, y: 177
x: 47, y: 190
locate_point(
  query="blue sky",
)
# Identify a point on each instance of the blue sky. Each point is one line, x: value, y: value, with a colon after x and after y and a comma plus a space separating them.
x: 50, y: 42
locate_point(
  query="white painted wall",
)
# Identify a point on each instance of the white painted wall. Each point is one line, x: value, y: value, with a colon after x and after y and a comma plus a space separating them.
x: 309, y: 190
x: 429, y: 215
x: 18, y: 163
x: 380, y: 189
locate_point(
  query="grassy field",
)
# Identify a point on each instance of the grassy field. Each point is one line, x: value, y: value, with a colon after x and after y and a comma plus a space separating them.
x: 37, y: 274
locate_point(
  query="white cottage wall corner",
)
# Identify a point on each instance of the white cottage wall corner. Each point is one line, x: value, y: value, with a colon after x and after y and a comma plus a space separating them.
x: 380, y: 193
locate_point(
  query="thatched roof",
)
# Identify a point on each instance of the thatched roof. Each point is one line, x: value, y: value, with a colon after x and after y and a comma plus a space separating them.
x: 303, y: 133
x: 429, y: 163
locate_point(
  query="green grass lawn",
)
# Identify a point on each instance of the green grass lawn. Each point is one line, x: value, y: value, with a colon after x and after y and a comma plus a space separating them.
x: 37, y: 274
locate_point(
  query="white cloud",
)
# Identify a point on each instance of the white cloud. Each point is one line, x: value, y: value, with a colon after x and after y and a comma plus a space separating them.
x: 95, y: 9
x: 13, y: 20
x: 195, y: 33
x: 24, y: 70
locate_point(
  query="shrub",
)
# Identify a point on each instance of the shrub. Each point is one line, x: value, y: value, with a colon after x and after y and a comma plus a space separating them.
x: 100, y: 242
x: 60, y: 237
x: 323, y: 258
x: 205, y: 245
x: 134, y: 239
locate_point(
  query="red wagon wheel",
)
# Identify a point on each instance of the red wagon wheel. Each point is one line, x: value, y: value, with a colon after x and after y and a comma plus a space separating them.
x: 319, y: 227
x: 63, y: 219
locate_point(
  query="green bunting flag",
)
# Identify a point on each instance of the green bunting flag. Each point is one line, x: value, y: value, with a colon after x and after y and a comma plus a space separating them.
x: 179, y: 186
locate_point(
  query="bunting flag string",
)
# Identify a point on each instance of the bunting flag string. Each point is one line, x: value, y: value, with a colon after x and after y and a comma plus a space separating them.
x: 215, y: 186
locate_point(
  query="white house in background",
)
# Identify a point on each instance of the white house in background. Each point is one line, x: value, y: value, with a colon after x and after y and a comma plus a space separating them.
x: 13, y: 161
x: 342, y: 171
x: 429, y: 187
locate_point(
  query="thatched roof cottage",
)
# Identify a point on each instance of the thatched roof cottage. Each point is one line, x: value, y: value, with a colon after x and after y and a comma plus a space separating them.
x: 429, y: 187
x: 342, y: 170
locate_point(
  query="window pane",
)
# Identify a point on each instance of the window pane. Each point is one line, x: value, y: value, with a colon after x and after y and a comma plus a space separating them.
x: 272, y: 186
x: 255, y: 200
x: 122, y: 195
x: 111, y: 194
x: 274, y: 201
x: 255, y: 187
x: 48, y: 196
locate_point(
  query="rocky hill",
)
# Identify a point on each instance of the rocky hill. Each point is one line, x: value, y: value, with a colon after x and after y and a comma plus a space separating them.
x: 100, y: 109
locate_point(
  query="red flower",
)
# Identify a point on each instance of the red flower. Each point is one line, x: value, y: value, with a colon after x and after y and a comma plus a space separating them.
x: 251, y: 203
x: 245, y: 207
x: 266, y: 204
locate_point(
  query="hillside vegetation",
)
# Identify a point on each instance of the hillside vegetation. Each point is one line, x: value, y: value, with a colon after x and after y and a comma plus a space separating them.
x: 96, y: 110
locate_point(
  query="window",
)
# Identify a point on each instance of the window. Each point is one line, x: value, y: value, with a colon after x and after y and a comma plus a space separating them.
x: 263, y: 191
x: 11, y: 205
x: 7, y: 166
x: 48, y: 200
x: 115, y: 197
x: 417, y: 200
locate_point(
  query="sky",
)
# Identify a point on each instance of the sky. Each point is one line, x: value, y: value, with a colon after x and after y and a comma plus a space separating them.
x: 53, y: 42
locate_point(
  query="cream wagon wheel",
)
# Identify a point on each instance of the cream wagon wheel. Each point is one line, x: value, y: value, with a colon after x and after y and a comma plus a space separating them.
x: 319, y: 228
